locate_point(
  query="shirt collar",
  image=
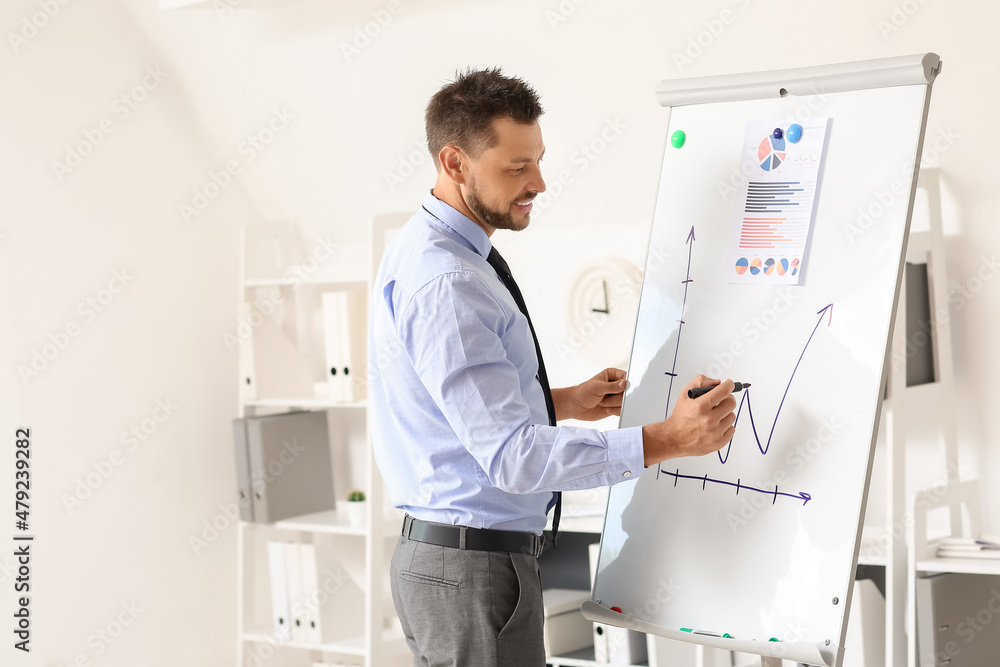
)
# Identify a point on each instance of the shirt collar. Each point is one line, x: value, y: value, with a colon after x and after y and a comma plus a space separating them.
x: 459, y: 223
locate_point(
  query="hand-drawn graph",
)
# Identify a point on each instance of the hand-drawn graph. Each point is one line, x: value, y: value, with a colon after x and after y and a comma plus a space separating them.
x: 686, y: 282
x: 745, y: 400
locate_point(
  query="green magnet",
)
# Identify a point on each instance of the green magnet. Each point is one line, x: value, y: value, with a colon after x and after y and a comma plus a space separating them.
x: 774, y: 639
x: 678, y: 138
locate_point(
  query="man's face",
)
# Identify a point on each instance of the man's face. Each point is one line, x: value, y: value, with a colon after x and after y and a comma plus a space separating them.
x: 505, y: 178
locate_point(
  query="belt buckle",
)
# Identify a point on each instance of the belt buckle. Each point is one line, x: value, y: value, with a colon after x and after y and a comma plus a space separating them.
x: 539, y: 541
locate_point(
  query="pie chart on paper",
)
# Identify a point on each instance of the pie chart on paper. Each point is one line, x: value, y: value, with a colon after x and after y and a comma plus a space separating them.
x: 771, y: 153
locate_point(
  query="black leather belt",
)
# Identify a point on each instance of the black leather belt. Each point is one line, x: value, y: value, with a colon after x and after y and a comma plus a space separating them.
x: 476, y: 539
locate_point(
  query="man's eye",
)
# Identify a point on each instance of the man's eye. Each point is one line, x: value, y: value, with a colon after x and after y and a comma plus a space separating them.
x: 518, y: 170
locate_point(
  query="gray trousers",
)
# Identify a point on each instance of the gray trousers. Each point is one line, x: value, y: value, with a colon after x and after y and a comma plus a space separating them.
x: 462, y: 608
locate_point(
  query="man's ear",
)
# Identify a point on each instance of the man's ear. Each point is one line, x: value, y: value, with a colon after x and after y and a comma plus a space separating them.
x: 454, y: 164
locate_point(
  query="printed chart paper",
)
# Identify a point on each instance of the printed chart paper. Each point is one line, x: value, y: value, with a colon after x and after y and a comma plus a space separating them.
x: 783, y: 162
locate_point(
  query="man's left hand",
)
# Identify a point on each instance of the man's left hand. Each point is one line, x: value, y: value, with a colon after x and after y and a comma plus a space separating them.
x: 597, y: 398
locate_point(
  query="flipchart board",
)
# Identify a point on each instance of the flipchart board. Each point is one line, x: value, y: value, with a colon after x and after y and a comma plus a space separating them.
x: 775, y: 258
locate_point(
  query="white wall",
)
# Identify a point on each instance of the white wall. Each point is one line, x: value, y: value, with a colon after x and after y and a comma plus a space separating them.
x: 355, y: 118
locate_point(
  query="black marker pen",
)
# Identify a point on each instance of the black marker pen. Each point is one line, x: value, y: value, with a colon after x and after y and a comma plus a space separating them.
x: 701, y: 391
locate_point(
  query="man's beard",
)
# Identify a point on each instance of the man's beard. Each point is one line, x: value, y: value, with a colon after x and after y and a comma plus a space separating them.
x: 495, y: 219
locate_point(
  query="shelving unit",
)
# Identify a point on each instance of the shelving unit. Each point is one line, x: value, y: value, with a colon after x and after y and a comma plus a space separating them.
x: 283, y: 368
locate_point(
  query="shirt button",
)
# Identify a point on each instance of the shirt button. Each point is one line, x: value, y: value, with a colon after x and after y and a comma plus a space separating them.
x: 627, y: 474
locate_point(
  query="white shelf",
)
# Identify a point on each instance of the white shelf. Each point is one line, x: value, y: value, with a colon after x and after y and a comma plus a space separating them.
x: 314, y: 402
x: 348, y: 282
x: 392, y: 641
x: 332, y: 522
x: 582, y: 658
x: 960, y: 565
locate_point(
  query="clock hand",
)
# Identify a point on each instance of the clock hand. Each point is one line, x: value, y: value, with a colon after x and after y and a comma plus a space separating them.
x: 605, y: 310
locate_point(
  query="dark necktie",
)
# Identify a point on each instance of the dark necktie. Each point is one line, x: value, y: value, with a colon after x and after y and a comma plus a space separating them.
x: 498, y: 263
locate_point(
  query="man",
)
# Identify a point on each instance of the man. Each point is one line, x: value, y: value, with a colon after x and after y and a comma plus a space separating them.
x: 462, y: 414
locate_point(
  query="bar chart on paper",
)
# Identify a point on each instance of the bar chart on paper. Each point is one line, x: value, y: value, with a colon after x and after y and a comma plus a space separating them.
x: 778, y: 201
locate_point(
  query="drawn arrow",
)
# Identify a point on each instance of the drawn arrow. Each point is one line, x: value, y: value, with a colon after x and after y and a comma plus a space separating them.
x: 705, y: 479
x: 686, y: 282
x: 746, y: 395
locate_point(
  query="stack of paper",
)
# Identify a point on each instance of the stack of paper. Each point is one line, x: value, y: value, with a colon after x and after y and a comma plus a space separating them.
x: 969, y: 547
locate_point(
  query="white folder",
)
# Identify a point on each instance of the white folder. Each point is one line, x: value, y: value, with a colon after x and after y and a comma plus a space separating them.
x: 247, y: 370
x: 310, y: 593
x: 337, y: 339
x: 293, y: 578
x: 330, y: 598
x: 279, y: 589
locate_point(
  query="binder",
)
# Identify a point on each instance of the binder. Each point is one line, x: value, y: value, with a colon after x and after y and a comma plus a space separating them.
x: 956, y: 619
x: 337, y: 342
x: 296, y: 603
x: 245, y: 360
x: 310, y: 594
x: 330, y: 598
x: 244, y: 490
x: 283, y: 463
x: 279, y: 589
x: 600, y: 644
x: 866, y: 626
x: 618, y: 646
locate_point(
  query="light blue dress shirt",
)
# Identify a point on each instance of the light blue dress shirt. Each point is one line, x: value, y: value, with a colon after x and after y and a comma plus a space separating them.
x: 459, y: 425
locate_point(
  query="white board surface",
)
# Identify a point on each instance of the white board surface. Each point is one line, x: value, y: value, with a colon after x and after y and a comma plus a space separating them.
x: 760, y: 540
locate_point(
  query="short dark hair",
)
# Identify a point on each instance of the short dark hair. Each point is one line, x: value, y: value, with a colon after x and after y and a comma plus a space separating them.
x: 462, y: 113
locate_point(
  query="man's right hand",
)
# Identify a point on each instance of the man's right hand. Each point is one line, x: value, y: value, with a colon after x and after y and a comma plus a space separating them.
x: 696, y: 427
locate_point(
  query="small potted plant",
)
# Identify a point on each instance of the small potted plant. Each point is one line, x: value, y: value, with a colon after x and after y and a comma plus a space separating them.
x: 356, y: 507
